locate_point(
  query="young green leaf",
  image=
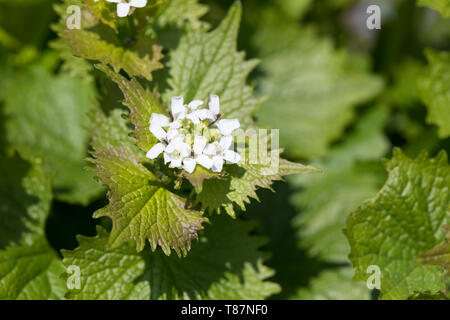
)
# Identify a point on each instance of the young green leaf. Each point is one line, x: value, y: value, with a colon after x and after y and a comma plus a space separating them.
x: 179, y: 11
x: 140, y: 207
x: 207, y: 63
x: 89, y: 45
x: 400, y: 223
x: 224, y: 264
x: 433, y: 87
x: 111, y: 130
x: 142, y: 103
x: 241, y: 184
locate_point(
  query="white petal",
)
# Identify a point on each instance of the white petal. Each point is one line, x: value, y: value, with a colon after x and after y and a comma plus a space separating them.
x: 204, y: 161
x: 177, y: 106
x: 155, y: 151
x: 199, y: 144
x: 205, y: 114
x: 172, y: 134
x: 210, y: 149
x: 159, y: 119
x: 115, y: 1
x: 175, y: 144
x: 225, y: 142
x: 232, y: 156
x: 185, y: 150
x: 217, y: 164
x: 167, y: 157
x: 193, y: 116
x: 226, y: 126
x: 175, y: 124
x: 176, y: 163
x: 214, y: 104
x: 189, y: 164
x: 138, y: 3
x: 158, y: 132
x: 180, y: 115
x: 195, y: 104
x: 123, y: 9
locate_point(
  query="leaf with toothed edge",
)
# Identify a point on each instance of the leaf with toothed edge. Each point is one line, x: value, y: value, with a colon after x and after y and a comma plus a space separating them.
x: 400, y: 223
x: 140, y: 208
x: 89, y: 45
x: 207, y: 63
x: 439, y: 255
x: 111, y: 130
x: 241, y: 182
x: 142, y: 103
x: 225, y: 263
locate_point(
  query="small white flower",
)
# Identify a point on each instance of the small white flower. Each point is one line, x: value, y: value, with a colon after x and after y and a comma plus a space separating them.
x: 124, y: 6
x: 176, y: 151
x: 183, y: 146
x: 217, y: 152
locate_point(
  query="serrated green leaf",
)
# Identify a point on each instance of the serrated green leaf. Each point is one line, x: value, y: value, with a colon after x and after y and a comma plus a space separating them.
x: 111, y: 130
x: 141, y: 208
x: 47, y: 117
x: 224, y: 264
x: 334, y: 284
x: 439, y: 255
x: 310, y: 85
x: 89, y: 45
x: 178, y: 11
x: 142, y: 103
x: 241, y: 183
x: 76, y: 66
x: 443, y: 6
x: 104, y: 11
x: 31, y: 272
x: 207, y: 63
x: 434, y: 88
x: 400, y: 223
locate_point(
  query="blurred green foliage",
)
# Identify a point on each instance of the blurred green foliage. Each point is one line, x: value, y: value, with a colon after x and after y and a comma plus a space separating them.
x: 341, y: 95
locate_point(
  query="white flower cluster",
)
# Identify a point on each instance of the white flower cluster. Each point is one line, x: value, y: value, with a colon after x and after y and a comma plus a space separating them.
x: 194, y: 136
x: 124, y: 6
